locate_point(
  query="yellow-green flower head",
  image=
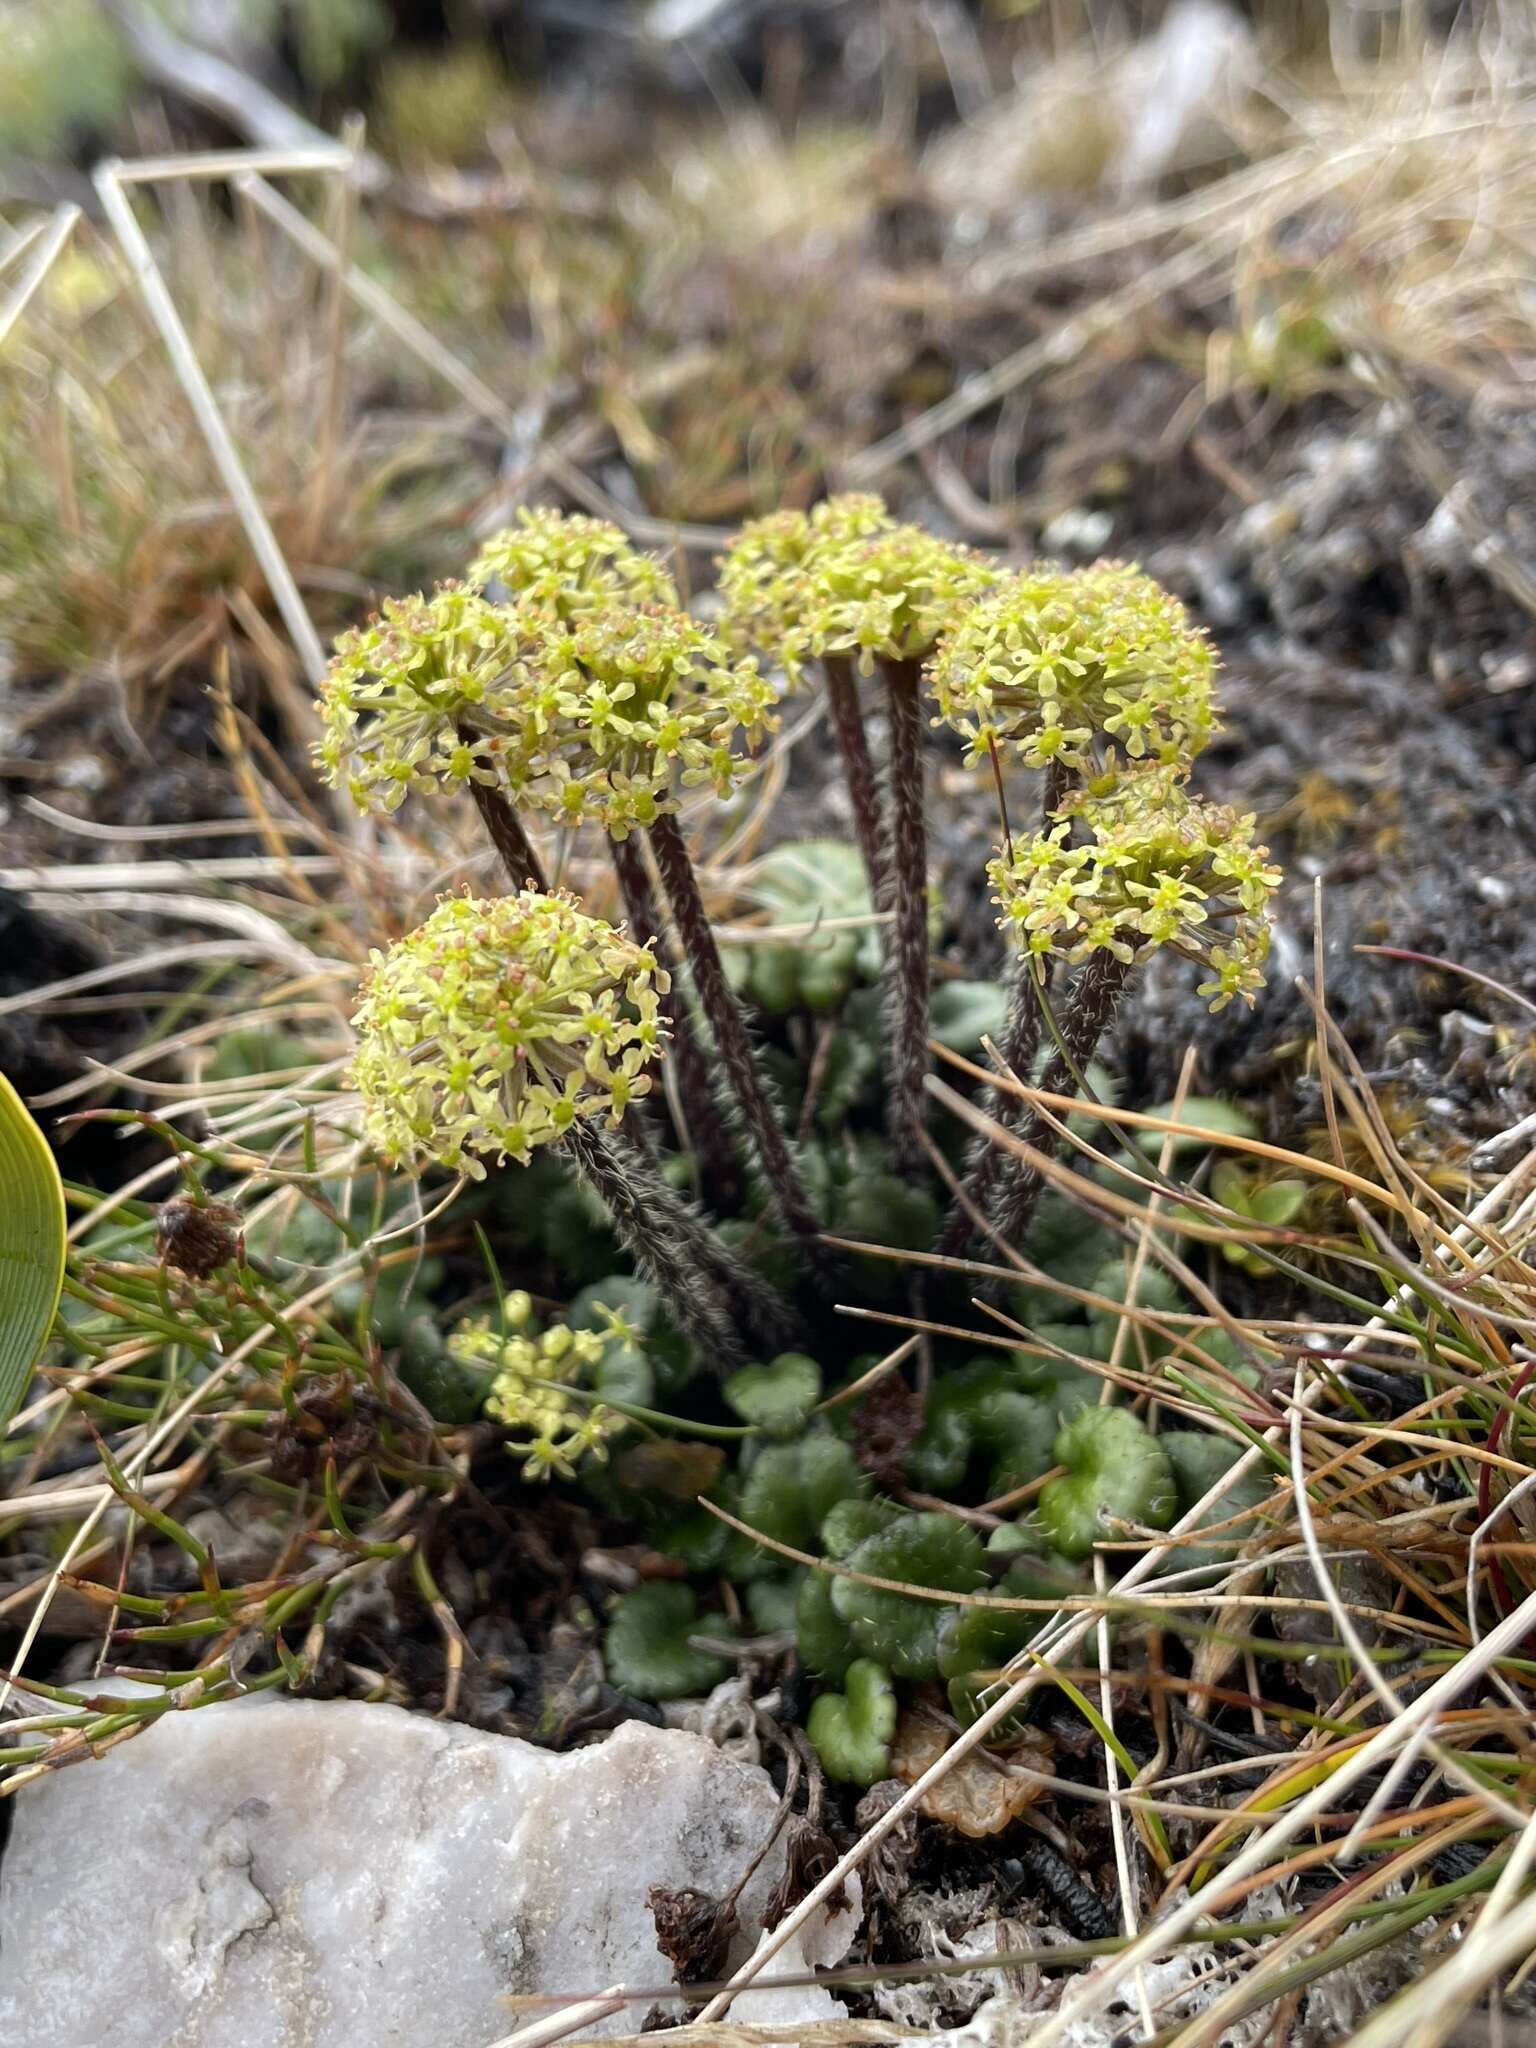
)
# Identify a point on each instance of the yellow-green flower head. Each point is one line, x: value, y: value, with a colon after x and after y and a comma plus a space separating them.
x: 766, y: 578
x: 862, y: 586
x: 565, y: 564
x: 400, y: 689
x: 621, y: 707
x: 490, y: 1029
x: 889, y: 596
x: 1083, y: 668
x: 1146, y: 866
x: 553, y: 1431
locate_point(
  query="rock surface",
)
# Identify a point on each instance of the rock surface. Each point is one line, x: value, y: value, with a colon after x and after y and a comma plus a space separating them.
x: 306, y: 1874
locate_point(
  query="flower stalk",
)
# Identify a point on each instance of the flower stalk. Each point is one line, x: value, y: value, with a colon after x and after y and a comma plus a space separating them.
x: 858, y: 768
x: 733, y: 1042
x: 1096, y: 993
x: 504, y: 829
x: 704, y: 1129
x: 907, y: 974
x: 665, y: 1238
x: 849, y: 586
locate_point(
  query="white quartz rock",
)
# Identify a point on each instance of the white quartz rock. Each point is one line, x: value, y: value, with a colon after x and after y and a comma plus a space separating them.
x: 323, y: 1874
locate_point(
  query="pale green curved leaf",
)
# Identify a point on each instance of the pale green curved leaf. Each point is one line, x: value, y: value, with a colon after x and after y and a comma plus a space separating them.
x: 31, y: 1246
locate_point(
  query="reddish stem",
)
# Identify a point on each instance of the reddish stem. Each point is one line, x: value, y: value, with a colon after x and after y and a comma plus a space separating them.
x: 858, y: 768
x: 1095, y: 997
x: 906, y: 977
x: 706, y: 1131
x: 726, y: 1021
x: 524, y: 869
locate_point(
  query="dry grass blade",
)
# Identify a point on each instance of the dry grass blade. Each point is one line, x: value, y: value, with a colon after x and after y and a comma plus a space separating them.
x: 51, y: 243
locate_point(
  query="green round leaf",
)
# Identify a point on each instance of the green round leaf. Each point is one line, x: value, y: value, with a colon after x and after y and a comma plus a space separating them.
x: 1115, y: 1469
x: 921, y: 1550
x: 646, y: 1650
x: 851, y: 1731
x: 825, y: 1644
x: 974, y: 1643
x: 772, y: 1605
x: 1204, y: 1113
x: 778, y: 1397
x: 792, y: 1488
x: 963, y: 1013
x: 852, y: 1520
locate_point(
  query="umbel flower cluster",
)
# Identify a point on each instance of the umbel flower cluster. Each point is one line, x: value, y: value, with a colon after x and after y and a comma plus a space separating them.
x: 497, y: 1025
x: 552, y: 1429
x: 565, y: 566
x: 1156, y: 868
x: 593, y: 713
x: 1077, y: 670
x: 406, y: 693
x: 622, y: 708
x: 846, y: 579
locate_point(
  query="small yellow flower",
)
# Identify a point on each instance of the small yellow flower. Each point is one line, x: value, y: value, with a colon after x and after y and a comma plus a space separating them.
x: 632, y: 703
x: 493, y: 1027
x: 552, y: 1431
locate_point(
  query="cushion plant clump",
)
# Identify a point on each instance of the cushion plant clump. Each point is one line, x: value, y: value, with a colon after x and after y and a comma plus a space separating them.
x: 565, y: 685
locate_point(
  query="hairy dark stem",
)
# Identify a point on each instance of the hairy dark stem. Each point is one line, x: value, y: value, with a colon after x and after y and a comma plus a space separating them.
x: 673, y: 1247
x: 906, y: 975
x: 501, y: 822
x: 732, y: 1040
x: 706, y: 1132
x: 757, y: 1307
x: 985, y: 1158
x: 1095, y: 997
x: 858, y: 768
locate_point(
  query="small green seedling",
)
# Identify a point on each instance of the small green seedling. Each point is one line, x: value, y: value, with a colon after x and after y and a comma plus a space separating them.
x: 851, y: 1730
x: 1247, y: 1192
